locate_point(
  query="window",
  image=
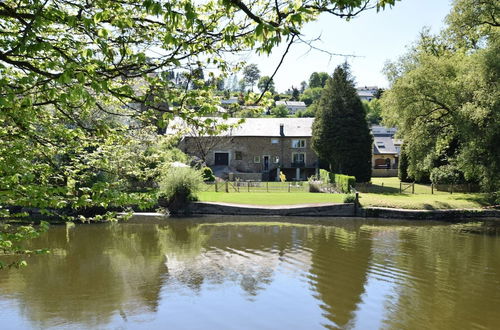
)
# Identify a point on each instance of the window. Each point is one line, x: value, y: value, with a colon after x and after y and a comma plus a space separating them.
x: 275, y: 141
x: 381, y: 145
x: 238, y: 155
x: 256, y: 159
x: 298, y: 143
x: 276, y: 159
x: 298, y: 159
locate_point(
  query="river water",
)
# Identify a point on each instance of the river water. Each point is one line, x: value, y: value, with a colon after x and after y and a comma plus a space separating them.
x: 208, y: 274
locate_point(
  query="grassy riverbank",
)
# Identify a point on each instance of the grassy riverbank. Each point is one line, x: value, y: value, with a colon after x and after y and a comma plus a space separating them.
x: 271, y: 198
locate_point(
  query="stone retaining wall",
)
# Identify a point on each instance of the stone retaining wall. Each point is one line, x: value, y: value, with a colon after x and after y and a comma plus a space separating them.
x: 327, y: 210
x: 382, y: 212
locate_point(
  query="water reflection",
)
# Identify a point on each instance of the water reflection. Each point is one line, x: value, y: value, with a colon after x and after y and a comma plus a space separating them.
x: 189, y: 274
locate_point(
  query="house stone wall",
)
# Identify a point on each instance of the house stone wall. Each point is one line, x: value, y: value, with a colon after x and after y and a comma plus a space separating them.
x: 249, y: 148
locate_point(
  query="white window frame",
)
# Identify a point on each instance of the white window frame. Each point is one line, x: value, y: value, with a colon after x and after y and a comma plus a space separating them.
x: 256, y: 159
x: 301, y: 143
x: 298, y: 153
x: 276, y: 159
x: 275, y: 141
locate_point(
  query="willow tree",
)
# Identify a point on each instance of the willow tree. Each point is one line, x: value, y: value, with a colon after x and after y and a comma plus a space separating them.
x: 444, y: 97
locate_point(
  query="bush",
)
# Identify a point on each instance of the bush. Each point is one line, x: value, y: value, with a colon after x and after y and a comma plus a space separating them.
x: 208, y: 174
x: 447, y: 174
x: 350, y: 198
x: 179, y: 185
x: 344, y: 182
x: 403, y: 166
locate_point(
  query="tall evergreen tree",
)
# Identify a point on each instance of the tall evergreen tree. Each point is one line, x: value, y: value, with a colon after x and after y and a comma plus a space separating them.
x: 341, y: 136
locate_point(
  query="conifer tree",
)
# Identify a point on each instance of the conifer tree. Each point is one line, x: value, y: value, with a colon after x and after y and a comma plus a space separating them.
x: 341, y: 136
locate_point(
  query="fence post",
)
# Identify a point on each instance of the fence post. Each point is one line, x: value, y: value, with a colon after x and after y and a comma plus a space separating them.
x: 216, y: 190
x: 413, y: 188
x: 400, y: 187
x: 248, y: 186
x: 267, y: 186
x: 227, y: 187
x: 451, y: 189
x: 289, y: 186
x: 432, y: 188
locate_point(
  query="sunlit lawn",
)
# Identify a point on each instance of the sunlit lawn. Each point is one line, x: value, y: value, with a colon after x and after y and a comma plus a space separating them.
x: 271, y: 198
x: 423, y: 201
x: 384, y: 193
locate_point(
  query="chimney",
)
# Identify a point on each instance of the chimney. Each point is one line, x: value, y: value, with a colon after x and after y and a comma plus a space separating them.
x: 282, y: 129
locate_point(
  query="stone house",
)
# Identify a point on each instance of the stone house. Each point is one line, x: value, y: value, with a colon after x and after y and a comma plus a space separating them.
x: 258, y: 149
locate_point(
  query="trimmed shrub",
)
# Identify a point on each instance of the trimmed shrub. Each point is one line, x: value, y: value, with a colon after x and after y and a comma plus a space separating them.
x: 178, y: 186
x: 326, y: 177
x: 350, y: 198
x: 208, y: 174
x: 344, y: 182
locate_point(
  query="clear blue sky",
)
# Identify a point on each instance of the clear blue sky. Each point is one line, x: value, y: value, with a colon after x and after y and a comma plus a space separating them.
x: 375, y: 37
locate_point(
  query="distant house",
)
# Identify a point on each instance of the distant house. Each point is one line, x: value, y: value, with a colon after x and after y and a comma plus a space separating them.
x: 367, y: 93
x: 386, y: 150
x: 292, y: 106
x: 258, y: 149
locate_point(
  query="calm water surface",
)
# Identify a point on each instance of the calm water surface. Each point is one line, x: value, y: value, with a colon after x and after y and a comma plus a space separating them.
x: 199, y: 274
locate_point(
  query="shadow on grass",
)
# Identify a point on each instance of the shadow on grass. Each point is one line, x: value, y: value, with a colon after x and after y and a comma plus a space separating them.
x: 481, y: 199
x: 378, y: 189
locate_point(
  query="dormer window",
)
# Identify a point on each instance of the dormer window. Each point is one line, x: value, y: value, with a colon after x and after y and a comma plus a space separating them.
x: 381, y: 145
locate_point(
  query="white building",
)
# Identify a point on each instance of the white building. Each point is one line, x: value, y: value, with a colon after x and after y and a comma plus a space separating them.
x: 367, y: 93
x: 292, y: 106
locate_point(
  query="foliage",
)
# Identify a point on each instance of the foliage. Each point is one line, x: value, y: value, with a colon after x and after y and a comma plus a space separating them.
x: 445, y: 98
x: 77, y: 79
x: 280, y: 111
x: 266, y: 81
x: 180, y: 183
x: 11, y: 236
x: 311, y: 95
x: 295, y: 94
x: 208, y: 174
x: 350, y: 198
x: 318, y: 79
x: 326, y: 177
x: 403, y: 166
x: 373, y: 110
x: 447, y: 174
x: 341, y: 136
x: 251, y: 74
x: 307, y: 113
x: 344, y: 182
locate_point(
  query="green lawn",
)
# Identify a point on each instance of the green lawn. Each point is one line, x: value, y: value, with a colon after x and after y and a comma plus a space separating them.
x: 271, y: 198
x: 423, y: 201
x: 384, y: 192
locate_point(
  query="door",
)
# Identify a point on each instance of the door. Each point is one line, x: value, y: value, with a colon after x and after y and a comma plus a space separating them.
x: 266, y: 163
x: 221, y: 158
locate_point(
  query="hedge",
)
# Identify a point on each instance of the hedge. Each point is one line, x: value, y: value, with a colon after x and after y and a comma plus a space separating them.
x: 345, y: 182
x: 326, y: 176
